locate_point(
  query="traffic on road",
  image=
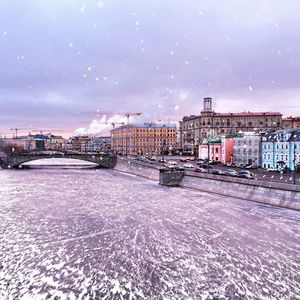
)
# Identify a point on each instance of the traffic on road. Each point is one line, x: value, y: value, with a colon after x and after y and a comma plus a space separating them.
x: 228, y: 169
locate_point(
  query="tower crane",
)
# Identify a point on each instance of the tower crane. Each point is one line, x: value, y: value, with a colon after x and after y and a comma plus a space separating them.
x: 18, y: 129
x: 47, y: 130
x: 101, y: 113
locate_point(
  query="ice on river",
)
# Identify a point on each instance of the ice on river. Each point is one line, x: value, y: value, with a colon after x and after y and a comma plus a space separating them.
x: 99, y: 234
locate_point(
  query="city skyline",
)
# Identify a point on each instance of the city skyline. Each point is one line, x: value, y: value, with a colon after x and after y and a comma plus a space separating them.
x: 63, y: 57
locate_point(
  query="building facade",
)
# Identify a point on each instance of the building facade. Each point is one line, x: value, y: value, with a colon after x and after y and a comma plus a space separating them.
x: 281, y: 148
x: 143, y: 139
x: 291, y: 122
x: 247, y: 149
x: 194, y: 128
x: 211, y: 150
x: 227, y: 149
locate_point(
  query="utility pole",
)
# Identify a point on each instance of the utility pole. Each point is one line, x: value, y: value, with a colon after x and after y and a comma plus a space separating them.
x: 208, y: 151
x: 294, y: 175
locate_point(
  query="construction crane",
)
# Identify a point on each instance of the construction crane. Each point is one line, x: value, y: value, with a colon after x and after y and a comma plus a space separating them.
x: 47, y: 130
x: 128, y: 115
x: 18, y: 129
x: 101, y: 113
x: 117, y: 123
x: 113, y: 124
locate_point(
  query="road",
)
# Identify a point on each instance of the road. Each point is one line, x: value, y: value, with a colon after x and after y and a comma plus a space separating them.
x: 260, y: 174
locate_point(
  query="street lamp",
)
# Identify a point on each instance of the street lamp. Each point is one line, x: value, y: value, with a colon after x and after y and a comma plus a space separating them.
x: 294, y: 174
x: 208, y: 154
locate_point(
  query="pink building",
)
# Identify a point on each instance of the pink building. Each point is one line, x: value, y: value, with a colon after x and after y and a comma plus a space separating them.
x: 227, y: 150
x: 214, y: 150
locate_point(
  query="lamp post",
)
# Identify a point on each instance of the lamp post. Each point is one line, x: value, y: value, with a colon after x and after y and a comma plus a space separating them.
x: 208, y: 154
x: 245, y: 152
x: 294, y: 174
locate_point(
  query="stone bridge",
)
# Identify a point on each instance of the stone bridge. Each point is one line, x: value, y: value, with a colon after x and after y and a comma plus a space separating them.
x: 15, y: 160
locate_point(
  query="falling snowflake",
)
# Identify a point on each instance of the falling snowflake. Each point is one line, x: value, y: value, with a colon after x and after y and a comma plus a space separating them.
x: 82, y: 8
x: 250, y: 88
x: 183, y: 96
x: 100, y: 4
x: 70, y: 44
x: 176, y: 107
x: 172, y: 52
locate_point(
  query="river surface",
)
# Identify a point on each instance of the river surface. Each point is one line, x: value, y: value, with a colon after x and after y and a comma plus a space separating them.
x: 100, y: 234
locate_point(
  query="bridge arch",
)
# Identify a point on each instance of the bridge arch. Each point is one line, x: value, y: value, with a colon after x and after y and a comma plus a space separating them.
x: 14, y: 161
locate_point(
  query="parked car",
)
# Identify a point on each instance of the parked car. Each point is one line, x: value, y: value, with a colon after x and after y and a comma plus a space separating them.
x: 183, y: 160
x: 151, y: 158
x: 246, y: 176
x: 231, y: 172
x: 172, y: 162
x: 240, y: 165
x: 217, y: 172
x: 162, y: 160
x: 205, y: 166
x: 173, y: 167
x: 188, y: 165
x: 230, y: 164
x: 200, y: 170
x: 180, y: 168
x: 251, y: 167
x: 246, y: 172
x: 285, y: 170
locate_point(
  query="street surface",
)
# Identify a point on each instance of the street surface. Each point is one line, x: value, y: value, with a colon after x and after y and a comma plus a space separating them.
x: 260, y: 174
x: 100, y: 234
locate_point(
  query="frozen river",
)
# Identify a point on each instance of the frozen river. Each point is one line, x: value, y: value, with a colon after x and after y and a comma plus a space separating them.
x: 99, y: 234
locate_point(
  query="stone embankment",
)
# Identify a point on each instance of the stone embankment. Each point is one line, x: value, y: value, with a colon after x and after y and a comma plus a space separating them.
x: 272, y: 193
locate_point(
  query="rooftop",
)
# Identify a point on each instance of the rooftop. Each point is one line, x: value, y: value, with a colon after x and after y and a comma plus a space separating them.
x: 147, y: 125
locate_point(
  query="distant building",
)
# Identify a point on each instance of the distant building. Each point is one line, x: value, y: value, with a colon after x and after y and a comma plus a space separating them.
x: 247, y: 149
x: 281, y: 148
x: 209, y: 123
x: 88, y: 144
x: 54, y: 142
x: 143, y: 139
x: 291, y: 123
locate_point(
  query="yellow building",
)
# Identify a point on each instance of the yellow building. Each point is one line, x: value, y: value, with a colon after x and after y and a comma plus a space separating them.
x: 143, y: 139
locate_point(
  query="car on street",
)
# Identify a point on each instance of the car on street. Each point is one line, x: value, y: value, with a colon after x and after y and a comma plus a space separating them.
x: 217, y: 172
x: 232, y: 165
x: 246, y: 172
x: 151, y: 158
x: 183, y: 159
x: 205, y: 166
x: 179, y: 167
x: 173, y: 167
x: 285, y: 170
x: 200, y: 170
x: 246, y: 176
x: 162, y: 160
x: 231, y: 172
x: 172, y: 162
x: 187, y: 165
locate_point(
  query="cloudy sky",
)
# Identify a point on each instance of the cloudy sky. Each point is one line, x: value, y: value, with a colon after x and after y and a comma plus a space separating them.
x: 62, y: 57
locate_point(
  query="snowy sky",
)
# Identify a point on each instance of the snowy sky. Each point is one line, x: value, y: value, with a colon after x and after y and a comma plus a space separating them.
x: 60, y: 57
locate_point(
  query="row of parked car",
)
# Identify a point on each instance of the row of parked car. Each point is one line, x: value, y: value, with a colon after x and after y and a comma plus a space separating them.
x: 231, y: 172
